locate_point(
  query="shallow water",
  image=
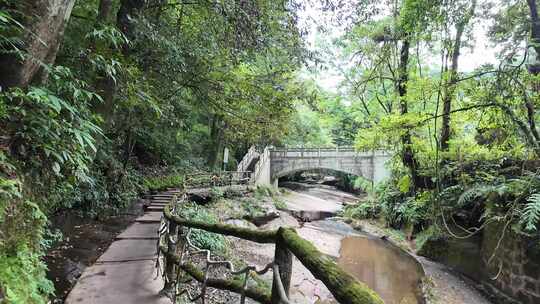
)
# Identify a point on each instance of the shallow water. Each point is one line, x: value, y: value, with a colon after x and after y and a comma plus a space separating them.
x: 390, y: 272
x: 385, y: 268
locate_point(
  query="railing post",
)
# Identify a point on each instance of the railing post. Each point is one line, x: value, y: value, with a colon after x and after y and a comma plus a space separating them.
x: 283, y: 259
x: 170, y: 266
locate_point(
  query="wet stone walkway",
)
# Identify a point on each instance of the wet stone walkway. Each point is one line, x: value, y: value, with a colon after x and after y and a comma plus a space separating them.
x: 125, y: 272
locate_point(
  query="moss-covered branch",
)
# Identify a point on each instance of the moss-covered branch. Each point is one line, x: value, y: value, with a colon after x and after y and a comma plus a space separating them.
x: 264, y: 236
x: 258, y: 294
x: 344, y: 287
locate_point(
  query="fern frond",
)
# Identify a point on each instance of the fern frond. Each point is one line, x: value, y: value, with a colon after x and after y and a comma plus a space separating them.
x: 474, y: 193
x: 530, y: 216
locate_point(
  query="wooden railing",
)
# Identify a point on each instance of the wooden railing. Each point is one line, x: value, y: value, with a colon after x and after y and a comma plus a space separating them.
x: 224, y: 178
x: 173, y: 236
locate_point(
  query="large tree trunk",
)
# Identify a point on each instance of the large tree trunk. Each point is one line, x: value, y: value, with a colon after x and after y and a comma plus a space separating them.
x: 44, y: 22
x: 450, y: 86
x: 535, y: 70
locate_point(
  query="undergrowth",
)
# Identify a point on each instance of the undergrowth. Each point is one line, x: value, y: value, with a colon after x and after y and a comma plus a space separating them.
x: 207, y: 240
x: 158, y: 183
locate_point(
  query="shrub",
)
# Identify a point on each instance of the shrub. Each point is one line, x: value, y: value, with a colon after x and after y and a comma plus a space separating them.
x: 158, y: 183
x: 22, y: 226
x: 364, y: 210
x: 200, y: 238
x: 264, y: 191
x: 216, y: 193
x: 280, y: 204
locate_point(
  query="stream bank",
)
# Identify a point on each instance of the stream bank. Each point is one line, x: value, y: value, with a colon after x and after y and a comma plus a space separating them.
x: 333, y: 236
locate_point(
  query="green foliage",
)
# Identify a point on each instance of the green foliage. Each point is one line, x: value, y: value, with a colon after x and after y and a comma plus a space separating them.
x: 23, y: 278
x: 362, y: 210
x: 57, y: 136
x: 200, y: 238
x: 264, y: 191
x: 10, y: 35
x: 157, y: 183
x: 433, y: 232
x: 22, y: 228
x: 216, y: 193
x: 280, y: 204
x: 251, y: 208
x: 530, y: 216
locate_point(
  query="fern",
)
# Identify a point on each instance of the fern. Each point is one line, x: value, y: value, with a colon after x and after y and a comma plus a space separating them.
x: 531, y: 213
x: 474, y: 193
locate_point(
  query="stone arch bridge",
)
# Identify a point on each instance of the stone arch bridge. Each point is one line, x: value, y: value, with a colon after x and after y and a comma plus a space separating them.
x: 273, y: 163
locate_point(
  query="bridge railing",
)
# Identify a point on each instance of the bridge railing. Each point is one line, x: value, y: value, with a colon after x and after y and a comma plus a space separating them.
x: 247, y: 159
x: 224, y: 178
x: 324, y: 152
x: 264, y: 157
x: 174, y: 245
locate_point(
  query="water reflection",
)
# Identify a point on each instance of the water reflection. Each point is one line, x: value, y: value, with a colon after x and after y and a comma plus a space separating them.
x: 393, y: 274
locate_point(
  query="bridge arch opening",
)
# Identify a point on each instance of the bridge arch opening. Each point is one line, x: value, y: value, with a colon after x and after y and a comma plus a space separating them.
x: 343, y: 180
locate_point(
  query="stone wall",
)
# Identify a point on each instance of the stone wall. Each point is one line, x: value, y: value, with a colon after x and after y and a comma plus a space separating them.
x: 513, y: 267
x: 506, y: 266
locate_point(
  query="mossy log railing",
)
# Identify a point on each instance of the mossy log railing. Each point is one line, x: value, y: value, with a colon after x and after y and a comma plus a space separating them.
x: 344, y: 287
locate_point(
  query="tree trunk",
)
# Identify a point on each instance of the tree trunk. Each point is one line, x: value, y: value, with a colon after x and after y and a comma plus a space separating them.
x: 450, y: 87
x: 44, y: 23
x: 534, y: 70
x: 105, y: 85
x: 104, y: 11
x: 216, y: 141
x: 128, y: 11
x: 407, y: 155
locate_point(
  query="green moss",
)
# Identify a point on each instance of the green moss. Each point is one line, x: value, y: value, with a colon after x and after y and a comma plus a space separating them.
x: 435, y: 247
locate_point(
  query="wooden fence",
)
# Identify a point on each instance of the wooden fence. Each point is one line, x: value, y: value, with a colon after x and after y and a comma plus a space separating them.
x: 344, y: 287
x: 224, y: 178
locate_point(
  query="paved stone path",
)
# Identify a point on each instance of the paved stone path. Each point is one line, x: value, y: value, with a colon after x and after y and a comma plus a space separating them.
x: 125, y: 273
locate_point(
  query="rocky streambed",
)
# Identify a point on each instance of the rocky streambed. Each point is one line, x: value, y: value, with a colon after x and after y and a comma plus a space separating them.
x: 399, y: 276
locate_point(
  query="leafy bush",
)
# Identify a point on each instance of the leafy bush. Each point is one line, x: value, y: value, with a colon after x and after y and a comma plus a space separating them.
x: 22, y: 277
x: 158, y: 183
x: 200, y: 238
x: 530, y: 216
x: 22, y: 226
x: 264, y: 191
x: 216, y: 193
x: 280, y: 204
x: 363, y: 210
x: 251, y: 207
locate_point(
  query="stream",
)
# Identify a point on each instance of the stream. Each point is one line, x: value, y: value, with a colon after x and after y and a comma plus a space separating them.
x: 392, y: 272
